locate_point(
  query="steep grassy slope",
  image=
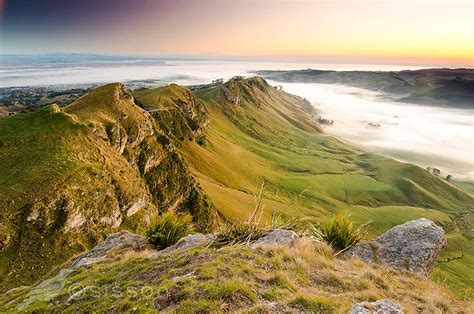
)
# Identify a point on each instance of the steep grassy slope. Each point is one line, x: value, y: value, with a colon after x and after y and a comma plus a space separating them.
x: 259, y: 134
x: 69, y: 177
x: 73, y: 175
x: 261, y: 139
x: 304, y: 277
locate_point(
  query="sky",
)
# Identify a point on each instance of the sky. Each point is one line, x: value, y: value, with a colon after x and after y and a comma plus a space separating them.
x: 424, y: 31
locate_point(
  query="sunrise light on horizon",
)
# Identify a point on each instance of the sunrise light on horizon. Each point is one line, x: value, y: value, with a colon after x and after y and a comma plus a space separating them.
x: 437, y: 32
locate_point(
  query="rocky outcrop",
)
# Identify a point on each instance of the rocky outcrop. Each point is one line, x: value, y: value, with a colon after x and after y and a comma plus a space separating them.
x: 414, y: 246
x: 117, y: 244
x: 276, y: 237
x: 120, y: 243
x: 230, y: 93
x: 377, y: 307
x: 190, y: 241
x: 176, y: 109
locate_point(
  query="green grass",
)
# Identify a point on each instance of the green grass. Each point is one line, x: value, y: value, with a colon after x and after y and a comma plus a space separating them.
x: 339, y: 232
x: 32, y: 150
x: 466, y: 186
x: 313, y: 304
x: 71, y: 176
x: 303, y: 277
x: 167, y: 229
x: 307, y: 173
x: 381, y: 218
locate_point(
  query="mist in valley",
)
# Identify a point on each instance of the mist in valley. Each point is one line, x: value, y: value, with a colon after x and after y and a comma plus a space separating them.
x: 427, y: 136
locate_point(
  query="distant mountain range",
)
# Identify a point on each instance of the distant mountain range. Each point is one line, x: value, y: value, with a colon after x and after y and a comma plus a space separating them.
x: 435, y: 87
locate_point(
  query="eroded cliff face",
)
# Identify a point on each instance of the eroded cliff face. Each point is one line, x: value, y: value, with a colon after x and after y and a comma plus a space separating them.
x: 176, y: 110
x: 101, y: 164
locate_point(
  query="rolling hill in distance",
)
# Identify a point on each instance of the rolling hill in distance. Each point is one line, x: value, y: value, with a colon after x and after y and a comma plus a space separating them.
x: 113, y: 159
x: 244, y: 156
x: 442, y: 87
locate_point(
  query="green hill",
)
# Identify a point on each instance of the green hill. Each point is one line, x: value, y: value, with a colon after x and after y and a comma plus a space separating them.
x: 430, y: 87
x: 71, y: 176
x: 113, y: 160
x: 258, y: 134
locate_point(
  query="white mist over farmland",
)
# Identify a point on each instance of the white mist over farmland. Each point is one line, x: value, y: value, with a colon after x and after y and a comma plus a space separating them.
x: 427, y: 136
x: 424, y: 135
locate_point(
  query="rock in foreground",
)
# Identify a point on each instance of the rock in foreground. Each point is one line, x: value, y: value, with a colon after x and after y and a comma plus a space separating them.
x: 377, y: 307
x: 122, y: 275
x: 414, y: 246
x: 120, y: 242
x: 276, y: 237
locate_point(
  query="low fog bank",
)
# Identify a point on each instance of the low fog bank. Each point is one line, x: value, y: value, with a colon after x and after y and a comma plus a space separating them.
x: 427, y: 136
x: 435, y: 137
x: 166, y: 71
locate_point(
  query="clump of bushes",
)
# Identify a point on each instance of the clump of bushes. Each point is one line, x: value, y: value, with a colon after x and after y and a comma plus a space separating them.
x: 339, y: 232
x: 167, y: 229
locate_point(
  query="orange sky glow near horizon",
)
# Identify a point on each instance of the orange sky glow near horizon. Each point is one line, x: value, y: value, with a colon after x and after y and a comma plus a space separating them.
x: 435, y: 31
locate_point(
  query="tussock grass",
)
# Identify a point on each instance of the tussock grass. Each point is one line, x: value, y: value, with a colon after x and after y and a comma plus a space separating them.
x: 239, y: 233
x: 255, y: 227
x: 167, y: 229
x: 239, y: 279
x: 340, y: 232
x: 313, y: 304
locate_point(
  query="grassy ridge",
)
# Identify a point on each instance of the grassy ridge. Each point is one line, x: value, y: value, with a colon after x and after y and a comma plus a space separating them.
x: 71, y: 176
x: 257, y: 140
x: 104, y: 163
x: 304, y: 277
x: 48, y: 156
x: 248, y: 144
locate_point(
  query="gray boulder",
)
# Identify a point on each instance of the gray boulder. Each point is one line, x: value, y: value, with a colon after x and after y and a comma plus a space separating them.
x: 377, y: 307
x: 276, y: 237
x: 414, y: 246
x: 119, y: 242
x: 190, y: 241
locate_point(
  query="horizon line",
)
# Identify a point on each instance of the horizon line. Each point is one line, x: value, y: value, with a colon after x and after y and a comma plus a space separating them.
x: 389, y: 60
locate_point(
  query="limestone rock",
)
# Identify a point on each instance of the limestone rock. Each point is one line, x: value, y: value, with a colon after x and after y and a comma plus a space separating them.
x: 190, y: 241
x: 119, y: 242
x: 276, y: 237
x: 133, y: 207
x: 414, y: 246
x: 377, y: 307
x: 229, y: 94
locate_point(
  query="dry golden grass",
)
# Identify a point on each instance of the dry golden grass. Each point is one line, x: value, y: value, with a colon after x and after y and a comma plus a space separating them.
x: 303, y: 277
x: 349, y: 280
